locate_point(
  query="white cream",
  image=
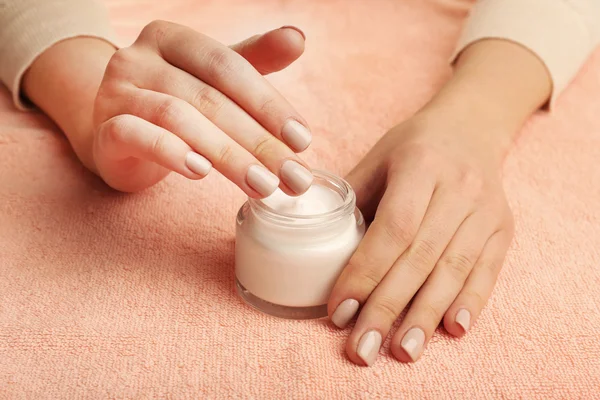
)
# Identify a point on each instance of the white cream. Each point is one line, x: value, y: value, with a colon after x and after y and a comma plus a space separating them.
x: 294, y: 261
x: 317, y: 200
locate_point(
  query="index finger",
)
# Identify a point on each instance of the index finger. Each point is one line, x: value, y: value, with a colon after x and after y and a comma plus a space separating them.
x: 396, y: 222
x: 231, y: 74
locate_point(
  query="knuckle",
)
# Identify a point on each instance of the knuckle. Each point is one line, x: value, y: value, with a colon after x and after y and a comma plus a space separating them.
x: 420, y: 256
x: 475, y: 298
x: 167, y: 113
x: 263, y: 146
x: 471, y: 181
x: 208, y: 101
x: 158, y: 144
x: 113, y: 129
x: 459, y: 264
x: 268, y: 106
x: 367, y: 278
x: 362, y: 274
x: 225, y: 156
x: 120, y: 62
x: 387, y: 307
x: 221, y: 63
x: 155, y: 30
x: 432, y: 313
x: 401, y: 229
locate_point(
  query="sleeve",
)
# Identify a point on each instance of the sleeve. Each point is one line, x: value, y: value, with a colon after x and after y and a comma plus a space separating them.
x: 562, y: 33
x: 29, y: 27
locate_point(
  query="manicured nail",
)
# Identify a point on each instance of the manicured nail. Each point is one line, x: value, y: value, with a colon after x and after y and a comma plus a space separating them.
x: 344, y: 313
x: 463, y: 318
x: 413, y: 342
x: 262, y: 180
x: 296, y: 176
x: 296, y: 135
x: 294, y: 28
x: 197, y: 163
x: 368, y: 347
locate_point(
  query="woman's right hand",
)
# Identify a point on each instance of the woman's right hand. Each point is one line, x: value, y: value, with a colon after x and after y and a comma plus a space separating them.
x: 177, y: 100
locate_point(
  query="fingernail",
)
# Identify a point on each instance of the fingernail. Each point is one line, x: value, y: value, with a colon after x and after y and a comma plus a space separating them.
x: 197, y: 163
x: 463, y: 318
x: 262, y: 180
x: 413, y: 342
x: 296, y: 176
x: 368, y: 347
x: 294, y: 28
x: 296, y: 135
x: 344, y: 313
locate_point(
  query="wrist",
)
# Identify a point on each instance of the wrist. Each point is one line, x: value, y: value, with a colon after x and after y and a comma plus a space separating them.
x: 63, y: 82
x: 496, y: 86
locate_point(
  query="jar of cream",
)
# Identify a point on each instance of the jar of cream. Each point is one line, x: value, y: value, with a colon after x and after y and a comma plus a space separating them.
x: 289, y: 251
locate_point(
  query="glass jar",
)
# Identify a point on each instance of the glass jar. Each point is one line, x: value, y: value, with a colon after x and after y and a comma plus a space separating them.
x: 286, y: 264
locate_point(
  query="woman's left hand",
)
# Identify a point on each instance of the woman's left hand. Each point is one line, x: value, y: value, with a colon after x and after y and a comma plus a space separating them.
x: 439, y: 236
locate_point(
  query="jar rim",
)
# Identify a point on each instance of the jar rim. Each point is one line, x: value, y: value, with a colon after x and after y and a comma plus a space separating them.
x: 334, y: 182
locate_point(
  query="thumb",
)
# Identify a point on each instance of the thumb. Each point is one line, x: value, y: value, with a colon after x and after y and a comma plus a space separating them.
x: 368, y: 179
x: 274, y: 50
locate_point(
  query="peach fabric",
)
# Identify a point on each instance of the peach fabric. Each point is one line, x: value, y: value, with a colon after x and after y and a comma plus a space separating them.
x: 109, y: 295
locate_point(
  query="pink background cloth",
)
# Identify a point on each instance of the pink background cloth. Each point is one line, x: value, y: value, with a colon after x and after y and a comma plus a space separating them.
x: 109, y: 295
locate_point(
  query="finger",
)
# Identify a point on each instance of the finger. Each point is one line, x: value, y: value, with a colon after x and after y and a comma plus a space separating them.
x: 368, y: 179
x: 231, y: 74
x: 445, y: 214
x: 442, y: 287
x: 274, y: 50
x: 127, y: 136
x: 478, y: 288
x: 227, y: 156
x: 398, y: 218
x: 231, y: 119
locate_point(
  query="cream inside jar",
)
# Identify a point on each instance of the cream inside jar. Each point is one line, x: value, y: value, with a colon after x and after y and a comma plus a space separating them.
x: 290, y: 250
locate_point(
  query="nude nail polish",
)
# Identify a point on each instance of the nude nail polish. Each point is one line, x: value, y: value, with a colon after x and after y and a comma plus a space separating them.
x: 368, y: 347
x: 262, y: 180
x: 295, y: 176
x: 198, y: 164
x: 296, y: 135
x: 463, y: 318
x: 413, y: 342
x: 344, y: 313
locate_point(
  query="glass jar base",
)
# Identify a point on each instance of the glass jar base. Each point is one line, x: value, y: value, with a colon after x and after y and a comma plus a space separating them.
x: 277, y: 310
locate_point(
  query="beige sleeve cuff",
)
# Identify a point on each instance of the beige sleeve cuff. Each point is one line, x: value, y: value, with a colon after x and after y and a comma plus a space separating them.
x: 552, y: 29
x: 29, y: 27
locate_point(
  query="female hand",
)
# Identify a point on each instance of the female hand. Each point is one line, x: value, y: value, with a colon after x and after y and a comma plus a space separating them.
x: 440, y: 233
x: 177, y: 100
x: 441, y: 224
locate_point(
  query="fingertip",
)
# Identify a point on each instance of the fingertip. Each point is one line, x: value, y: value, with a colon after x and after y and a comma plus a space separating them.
x: 400, y: 354
x: 352, y: 352
x: 344, y: 312
x: 261, y: 180
x: 457, y: 322
x: 192, y: 176
x: 409, y: 345
x: 289, y: 39
x: 296, y: 177
x: 296, y: 29
x: 284, y: 46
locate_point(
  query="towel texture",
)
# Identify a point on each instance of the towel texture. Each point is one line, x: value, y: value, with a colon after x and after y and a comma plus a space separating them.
x: 108, y: 295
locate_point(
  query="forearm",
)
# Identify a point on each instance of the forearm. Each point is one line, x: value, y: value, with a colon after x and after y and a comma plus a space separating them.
x: 48, y: 54
x: 496, y: 86
x: 512, y: 60
x: 63, y: 82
